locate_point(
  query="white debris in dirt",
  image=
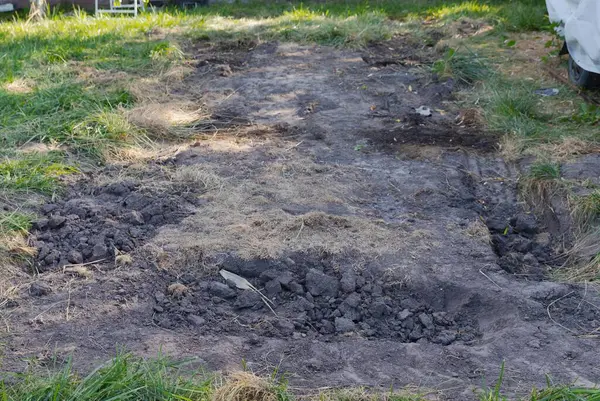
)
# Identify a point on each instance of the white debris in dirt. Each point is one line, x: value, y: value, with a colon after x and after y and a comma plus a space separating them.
x: 546, y: 92
x: 424, y: 111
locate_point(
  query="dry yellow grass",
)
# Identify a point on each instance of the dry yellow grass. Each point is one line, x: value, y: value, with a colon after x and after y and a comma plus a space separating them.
x: 568, y: 148
x: 197, y: 176
x: 245, y: 386
x: 21, y: 86
x: 478, y: 230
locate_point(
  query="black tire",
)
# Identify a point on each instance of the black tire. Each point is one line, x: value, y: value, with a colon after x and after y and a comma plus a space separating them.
x: 581, y: 77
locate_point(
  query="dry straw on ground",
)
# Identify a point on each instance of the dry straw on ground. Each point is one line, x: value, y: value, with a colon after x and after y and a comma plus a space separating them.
x: 245, y: 386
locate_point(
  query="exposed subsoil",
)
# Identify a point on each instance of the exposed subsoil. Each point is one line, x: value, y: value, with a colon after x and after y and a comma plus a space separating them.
x: 391, y: 246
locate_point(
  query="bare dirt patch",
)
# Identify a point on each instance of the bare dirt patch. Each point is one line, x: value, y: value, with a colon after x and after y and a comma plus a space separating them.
x: 368, y: 258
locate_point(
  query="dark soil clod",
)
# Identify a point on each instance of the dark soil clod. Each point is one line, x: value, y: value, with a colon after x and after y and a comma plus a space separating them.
x: 320, y: 306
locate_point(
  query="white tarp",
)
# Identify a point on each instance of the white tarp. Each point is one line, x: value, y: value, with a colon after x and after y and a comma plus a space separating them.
x: 580, y: 25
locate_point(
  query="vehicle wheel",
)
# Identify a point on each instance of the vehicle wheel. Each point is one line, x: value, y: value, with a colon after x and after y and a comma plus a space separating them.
x: 581, y: 77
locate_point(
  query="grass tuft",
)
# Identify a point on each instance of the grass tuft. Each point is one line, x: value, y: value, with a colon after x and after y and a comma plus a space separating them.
x: 541, y: 184
x: 34, y: 172
x: 245, y: 386
x: 15, y: 222
x: 125, y: 378
x: 463, y: 65
x: 544, y: 171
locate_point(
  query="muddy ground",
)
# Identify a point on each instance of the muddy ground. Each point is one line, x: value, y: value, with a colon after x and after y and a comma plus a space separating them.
x: 392, y: 246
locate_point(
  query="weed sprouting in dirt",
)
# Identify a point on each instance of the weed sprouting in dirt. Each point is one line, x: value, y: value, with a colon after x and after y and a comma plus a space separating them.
x: 544, y: 171
x: 540, y: 184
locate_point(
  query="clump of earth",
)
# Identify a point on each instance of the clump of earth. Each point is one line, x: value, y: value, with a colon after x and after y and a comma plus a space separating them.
x: 96, y: 223
x: 308, y: 297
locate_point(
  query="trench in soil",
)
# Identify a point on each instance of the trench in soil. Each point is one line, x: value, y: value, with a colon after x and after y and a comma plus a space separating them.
x: 391, y: 248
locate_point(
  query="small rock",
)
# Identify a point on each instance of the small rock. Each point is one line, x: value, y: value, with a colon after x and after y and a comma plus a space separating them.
x: 520, y: 244
x: 134, y: 217
x: 496, y: 225
x: 377, y: 290
x: 117, y: 188
x: 39, y: 289
x: 320, y: 284
x: 535, y: 343
x: 426, y: 321
x: 296, y: 288
x: 273, y: 287
x: 248, y: 299
x: 75, y: 257
x: 40, y: 224
x: 158, y: 309
x: 49, y: 208
x: 285, y: 327
x: 446, y: 337
x: 416, y: 333
x: 302, y: 305
x: 379, y: 309
x: 285, y: 279
x: 268, y: 275
x: 424, y: 111
x: 441, y: 318
x: 327, y: 327
x: 348, y: 281
x: 196, y: 320
x: 56, y: 221
x: 53, y: 256
x: 408, y: 323
x: 343, y: 325
x: 404, y: 314
x: 525, y: 223
x: 353, y: 300
x: 99, y: 251
x: 221, y: 290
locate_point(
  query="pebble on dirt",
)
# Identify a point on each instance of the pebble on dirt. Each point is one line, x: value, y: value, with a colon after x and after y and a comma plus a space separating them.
x: 38, y: 289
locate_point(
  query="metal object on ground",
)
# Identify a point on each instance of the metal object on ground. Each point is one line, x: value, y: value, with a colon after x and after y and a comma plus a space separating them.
x: 120, y: 7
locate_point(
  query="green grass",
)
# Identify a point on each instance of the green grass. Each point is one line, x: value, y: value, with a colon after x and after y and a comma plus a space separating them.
x: 124, y: 378
x: 15, y: 222
x: 544, y: 171
x: 45, y: 98
x: 463, y: 65
x: 33, y: 172
x: 128, y: 378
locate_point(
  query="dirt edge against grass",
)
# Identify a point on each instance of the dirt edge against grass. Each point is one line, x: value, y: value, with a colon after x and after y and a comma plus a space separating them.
x: 126, y: 377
